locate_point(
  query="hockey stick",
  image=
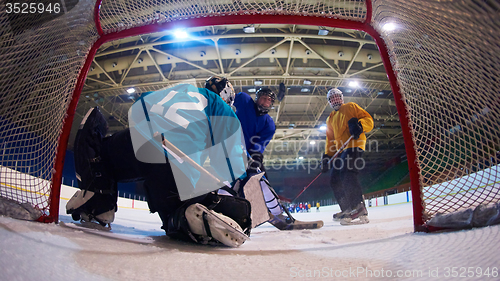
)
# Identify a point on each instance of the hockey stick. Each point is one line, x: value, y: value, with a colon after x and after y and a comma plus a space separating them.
x: 178, y: 154
x: 331, y: 159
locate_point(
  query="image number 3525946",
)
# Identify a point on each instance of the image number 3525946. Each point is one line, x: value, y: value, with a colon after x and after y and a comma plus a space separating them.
x: 24, y: 15
x: 32, y: 8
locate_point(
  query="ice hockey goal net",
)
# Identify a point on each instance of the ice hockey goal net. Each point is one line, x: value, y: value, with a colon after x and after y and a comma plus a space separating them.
x: 441, y: 59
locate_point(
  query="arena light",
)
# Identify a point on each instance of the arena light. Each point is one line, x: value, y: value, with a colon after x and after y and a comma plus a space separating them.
x: 301, y: 157
x: 322, y: 128
x: 354, y: 84
x: 323, y: 31
x: 312, y: 142
x: 249, y: 29
x: 180, y: 33
x: 131, y: 90
x: 390, y: 26
x: 257, y: 82
x: 251, y: 90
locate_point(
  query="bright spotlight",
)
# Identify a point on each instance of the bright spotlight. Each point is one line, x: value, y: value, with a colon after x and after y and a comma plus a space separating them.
x: 389, y: 26
x: 130, y: 90
x: 312, y: 142
x: 301, y: 157
x: 322, y: 128
x: 353, y: 84
x: 179, y: 33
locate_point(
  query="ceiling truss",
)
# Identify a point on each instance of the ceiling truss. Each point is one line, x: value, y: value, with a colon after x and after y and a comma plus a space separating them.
x: 307, y: 63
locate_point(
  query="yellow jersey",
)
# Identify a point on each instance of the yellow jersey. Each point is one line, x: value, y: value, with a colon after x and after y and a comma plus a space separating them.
x: 337, y: 129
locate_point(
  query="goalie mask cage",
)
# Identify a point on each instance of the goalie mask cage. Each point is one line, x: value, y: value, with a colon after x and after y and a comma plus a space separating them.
x: 442, y: 61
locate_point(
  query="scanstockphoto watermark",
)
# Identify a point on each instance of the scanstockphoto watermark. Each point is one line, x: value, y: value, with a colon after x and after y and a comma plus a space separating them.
x: 313, y: 164
x: 448, y: 272
x: 357, y: 272
x: 310, y: 164
x: 303, y: 146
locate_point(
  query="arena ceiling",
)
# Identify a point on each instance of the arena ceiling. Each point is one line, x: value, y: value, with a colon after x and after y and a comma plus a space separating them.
x: 307, y: 62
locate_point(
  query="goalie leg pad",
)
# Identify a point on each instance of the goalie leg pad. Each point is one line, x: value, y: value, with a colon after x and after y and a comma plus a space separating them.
x: 236, y: 208
x: 90, y: 167
x: 272, y: 202
x: 210, y: 224
x: 252, y: 191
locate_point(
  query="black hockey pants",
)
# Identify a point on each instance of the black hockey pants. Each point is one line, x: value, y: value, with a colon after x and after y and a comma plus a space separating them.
x: 159, y: 182
x: 344, y: 178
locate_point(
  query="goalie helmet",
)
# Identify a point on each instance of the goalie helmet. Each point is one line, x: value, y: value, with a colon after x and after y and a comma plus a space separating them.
x: 335, y: 98
x: 263, y: 105
x: 222, y: 87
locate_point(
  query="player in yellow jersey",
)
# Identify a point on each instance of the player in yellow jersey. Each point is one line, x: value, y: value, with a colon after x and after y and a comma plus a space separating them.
x: 346, y: 120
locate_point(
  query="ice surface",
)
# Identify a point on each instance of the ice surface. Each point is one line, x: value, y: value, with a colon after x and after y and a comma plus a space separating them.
x: 387, y: 245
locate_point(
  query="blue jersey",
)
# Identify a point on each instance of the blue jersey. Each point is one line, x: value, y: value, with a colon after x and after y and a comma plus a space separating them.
x: 200, y: 124
x: 258, y: 130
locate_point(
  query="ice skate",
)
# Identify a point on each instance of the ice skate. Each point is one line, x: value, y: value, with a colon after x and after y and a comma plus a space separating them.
x: 210, y: 224
x: 89, y: 207
x: 356, y: 216
x: 338, y: 216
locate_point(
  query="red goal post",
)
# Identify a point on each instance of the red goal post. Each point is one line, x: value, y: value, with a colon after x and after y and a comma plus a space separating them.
x: 441, y: 61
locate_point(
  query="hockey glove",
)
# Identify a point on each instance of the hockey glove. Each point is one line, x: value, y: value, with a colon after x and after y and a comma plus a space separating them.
x: 325, y: 167
x: 256, y: 163
x: 355, y: 127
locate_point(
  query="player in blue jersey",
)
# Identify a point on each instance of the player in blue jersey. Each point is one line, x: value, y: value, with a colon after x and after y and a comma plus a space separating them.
x: 171, y: 134
x: 258, y: 130
x: 258, y: 127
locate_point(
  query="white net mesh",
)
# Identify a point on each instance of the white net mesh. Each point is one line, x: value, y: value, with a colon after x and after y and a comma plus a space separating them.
x: 40, y: 58
x: 445, y: 55
x: 120, y: 15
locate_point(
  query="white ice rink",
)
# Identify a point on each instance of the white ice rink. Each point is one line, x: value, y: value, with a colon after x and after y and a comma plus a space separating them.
x: 386, y: 248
